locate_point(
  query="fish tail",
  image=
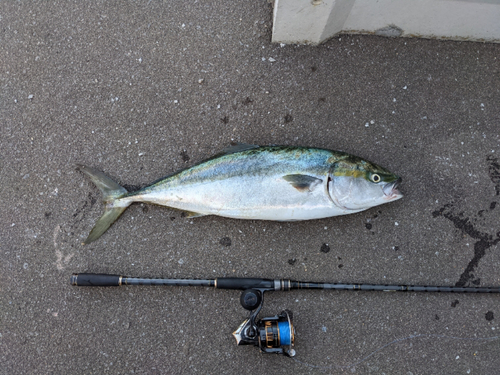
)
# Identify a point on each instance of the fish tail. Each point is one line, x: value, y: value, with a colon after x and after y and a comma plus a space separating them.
x: 113, y: 207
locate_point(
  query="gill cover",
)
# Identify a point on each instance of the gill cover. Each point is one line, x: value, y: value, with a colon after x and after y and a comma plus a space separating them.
x: 355, y: 184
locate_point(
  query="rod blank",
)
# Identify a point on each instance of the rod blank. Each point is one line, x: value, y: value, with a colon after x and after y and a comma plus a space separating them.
x: 242, y: 283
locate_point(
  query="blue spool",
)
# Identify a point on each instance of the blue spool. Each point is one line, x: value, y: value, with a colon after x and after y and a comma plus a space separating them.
x: 285, y: 334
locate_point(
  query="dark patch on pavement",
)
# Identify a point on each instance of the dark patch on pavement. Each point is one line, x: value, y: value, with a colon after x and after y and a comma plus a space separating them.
x: 185, y: 156
x: 89, y: 202
x: 489, y: 316
x: 484, y: 242
x: 441, y: 210
x: 455, y: 303
x: 494, y: 172
x: 132, y: 187
x: 247, y: 101
x: 226, y: 241
x: 225, y: 119
x: 368, y: 224
x: 292, y: 261
x: 288, y: 118
x: 493, y: 205
x: 325, y: 248
x: 436, y: 317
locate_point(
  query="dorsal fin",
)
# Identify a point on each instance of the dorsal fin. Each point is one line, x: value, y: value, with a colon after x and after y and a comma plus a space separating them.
x: 302, y: 182
x: 237, y: 147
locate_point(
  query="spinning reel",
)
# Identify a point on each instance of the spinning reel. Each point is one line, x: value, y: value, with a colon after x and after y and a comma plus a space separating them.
x: 273, y: 334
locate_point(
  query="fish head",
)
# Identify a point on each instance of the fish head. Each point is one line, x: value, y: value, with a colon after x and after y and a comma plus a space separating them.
x: 356, y: 184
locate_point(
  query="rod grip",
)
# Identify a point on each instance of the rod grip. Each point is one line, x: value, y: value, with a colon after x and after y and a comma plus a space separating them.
x: 95, y: 279
x: 243, y: 283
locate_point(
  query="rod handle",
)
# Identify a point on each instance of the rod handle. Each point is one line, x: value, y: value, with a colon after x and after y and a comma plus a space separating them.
x: 243, y: 283
x: 95, y: 279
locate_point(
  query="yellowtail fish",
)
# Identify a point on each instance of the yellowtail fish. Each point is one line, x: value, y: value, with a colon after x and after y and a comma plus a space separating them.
x: 282, y: 183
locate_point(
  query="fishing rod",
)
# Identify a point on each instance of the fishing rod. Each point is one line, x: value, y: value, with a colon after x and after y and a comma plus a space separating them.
x: 273, y: 334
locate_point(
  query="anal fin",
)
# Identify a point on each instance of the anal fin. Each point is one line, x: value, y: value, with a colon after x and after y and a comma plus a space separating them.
x: 191, y: 214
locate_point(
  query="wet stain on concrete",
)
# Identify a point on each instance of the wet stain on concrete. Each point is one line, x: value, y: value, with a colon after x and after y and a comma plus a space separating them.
x: 247, y: 101
x: 226, y: 241
x: 89, y: 202
x: 184, y: 156
x: 484, y: 241
x: 494, y: 172
x: 466, y: 226
x: 132, y: 187
x: 369, y: 220
x: 325, y: 248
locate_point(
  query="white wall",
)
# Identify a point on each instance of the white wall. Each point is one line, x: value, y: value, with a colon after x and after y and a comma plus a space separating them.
x: 314, y: 21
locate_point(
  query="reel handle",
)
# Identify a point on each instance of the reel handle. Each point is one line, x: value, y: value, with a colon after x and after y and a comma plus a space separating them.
x: 94, y: 279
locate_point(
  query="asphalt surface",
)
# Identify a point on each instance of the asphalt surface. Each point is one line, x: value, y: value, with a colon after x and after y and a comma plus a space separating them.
x: 142, y: 89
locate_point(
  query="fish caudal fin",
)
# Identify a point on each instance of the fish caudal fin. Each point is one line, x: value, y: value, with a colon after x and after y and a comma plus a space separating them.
x: 111, y: 191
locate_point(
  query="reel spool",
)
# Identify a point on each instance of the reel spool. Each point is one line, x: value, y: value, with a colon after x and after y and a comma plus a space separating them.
x: 271, y: 334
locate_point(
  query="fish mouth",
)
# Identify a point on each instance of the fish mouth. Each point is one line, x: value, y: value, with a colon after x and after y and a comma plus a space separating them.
x: 391, y: 190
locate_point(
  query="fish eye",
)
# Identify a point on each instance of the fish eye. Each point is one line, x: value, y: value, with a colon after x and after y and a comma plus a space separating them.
x: 375, y: 177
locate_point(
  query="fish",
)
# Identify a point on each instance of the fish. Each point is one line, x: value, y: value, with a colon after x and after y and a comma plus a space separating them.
x: 278, y: 183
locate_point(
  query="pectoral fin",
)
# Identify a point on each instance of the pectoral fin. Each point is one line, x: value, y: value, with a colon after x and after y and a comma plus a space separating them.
x: 302, y: 182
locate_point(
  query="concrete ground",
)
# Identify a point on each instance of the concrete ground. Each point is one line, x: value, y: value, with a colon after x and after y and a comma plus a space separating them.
x: 142, y: 89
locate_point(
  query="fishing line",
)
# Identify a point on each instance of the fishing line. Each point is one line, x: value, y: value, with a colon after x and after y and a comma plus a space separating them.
x: 420, y: 335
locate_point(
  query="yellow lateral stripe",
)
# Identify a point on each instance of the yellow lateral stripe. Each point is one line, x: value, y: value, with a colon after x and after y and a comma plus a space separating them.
x: 348, y: 173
